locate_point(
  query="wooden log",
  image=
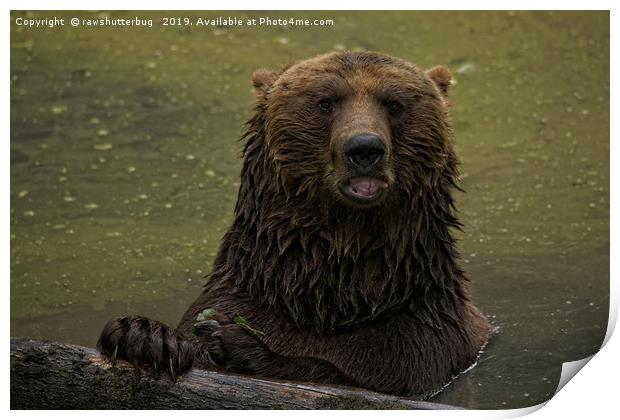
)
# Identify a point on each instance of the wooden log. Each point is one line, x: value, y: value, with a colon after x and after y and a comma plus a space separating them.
x: 47, y: 375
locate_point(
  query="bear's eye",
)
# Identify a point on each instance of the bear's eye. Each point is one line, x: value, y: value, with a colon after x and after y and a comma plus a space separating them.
x: 393, y: 106
x: 326, y: 105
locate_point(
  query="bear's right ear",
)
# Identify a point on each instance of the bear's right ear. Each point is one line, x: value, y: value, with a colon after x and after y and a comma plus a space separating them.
x: 442, y: 78
x: 262, y: 80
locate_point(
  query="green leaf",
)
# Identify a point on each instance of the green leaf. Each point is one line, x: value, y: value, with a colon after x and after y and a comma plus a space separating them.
x: 242, y: 322
x: 239, y: 320
x: 205, y: 315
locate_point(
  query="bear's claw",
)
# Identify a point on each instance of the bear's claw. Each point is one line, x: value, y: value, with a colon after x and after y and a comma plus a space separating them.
x: 146, y: 343
x: 232, y: 346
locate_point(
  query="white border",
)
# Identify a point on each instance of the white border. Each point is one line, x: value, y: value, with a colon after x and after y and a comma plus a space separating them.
x: 593, y: 394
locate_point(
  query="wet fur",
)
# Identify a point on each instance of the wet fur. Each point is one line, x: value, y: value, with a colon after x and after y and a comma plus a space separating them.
x: 372, y: 297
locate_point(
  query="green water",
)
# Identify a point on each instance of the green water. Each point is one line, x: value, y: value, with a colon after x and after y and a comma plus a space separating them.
x: 125, y: 163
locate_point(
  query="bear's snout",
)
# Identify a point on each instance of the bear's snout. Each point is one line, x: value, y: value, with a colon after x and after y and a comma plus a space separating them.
x: 363, y: 156
x: 364, y: 152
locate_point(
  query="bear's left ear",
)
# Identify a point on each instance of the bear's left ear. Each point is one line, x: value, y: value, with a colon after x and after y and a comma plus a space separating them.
x: 442, y: 78
x: 262, y: 80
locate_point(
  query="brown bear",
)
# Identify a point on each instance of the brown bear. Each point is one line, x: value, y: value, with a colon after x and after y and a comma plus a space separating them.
x: 340, y: 265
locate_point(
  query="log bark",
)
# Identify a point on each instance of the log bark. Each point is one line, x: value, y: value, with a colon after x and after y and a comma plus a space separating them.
x: 47, y: 375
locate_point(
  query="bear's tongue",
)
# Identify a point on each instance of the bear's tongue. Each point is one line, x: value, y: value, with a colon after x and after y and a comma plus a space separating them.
x: 365, y: 187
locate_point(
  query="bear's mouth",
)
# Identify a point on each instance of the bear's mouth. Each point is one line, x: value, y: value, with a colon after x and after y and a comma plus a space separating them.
x: 364, y: 189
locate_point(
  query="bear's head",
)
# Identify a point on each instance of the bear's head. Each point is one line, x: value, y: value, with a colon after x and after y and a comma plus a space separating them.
x: 357, y: 129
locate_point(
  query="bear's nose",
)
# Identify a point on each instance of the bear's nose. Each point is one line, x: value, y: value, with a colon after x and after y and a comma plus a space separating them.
x: 364, y: 151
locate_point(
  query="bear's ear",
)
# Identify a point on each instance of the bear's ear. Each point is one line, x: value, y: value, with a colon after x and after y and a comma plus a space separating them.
x: 442, y: 78
x: 262, y: 80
